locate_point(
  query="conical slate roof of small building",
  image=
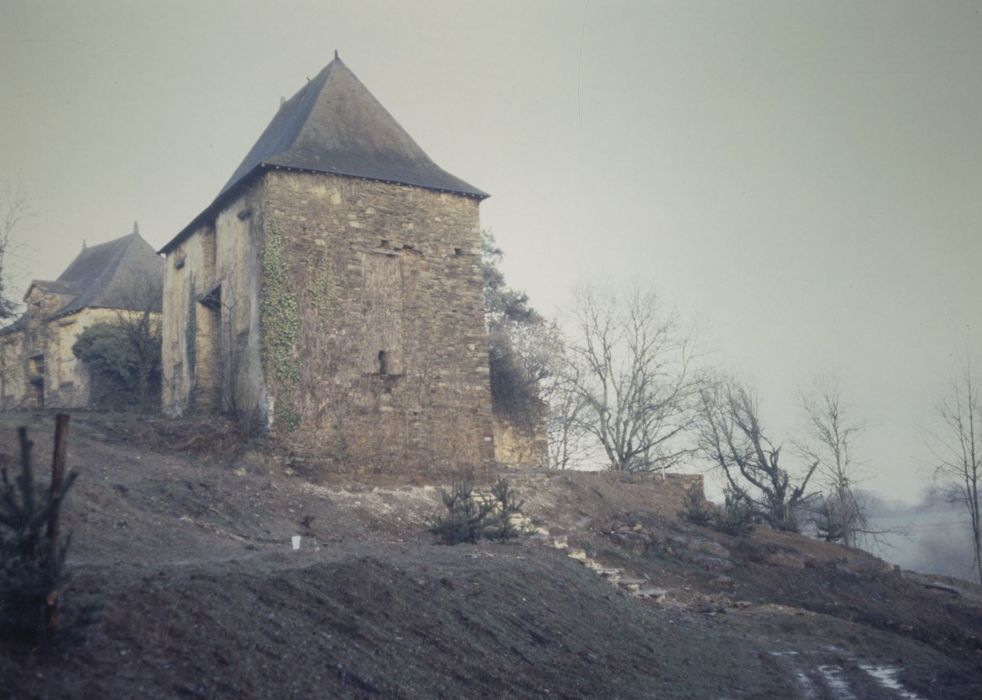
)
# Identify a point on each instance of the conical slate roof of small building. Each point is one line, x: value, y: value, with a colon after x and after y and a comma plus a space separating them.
x: 335, y: 125
x: 124, y: 273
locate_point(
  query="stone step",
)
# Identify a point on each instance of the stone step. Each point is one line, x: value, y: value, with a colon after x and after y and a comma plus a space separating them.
x: 651, y: 592
x: 614, y: 575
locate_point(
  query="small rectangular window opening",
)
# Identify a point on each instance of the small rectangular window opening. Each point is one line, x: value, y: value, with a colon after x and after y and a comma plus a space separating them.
x: 383, y: 363
x: 213, y: 299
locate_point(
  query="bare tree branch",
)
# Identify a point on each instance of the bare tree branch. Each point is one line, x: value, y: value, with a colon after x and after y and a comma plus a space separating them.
x: 957, y: 447
x: 829, y: 443
x: 15, y: 213
x: 630, y: 368
x: 732, y: 438
x: 566, y: 429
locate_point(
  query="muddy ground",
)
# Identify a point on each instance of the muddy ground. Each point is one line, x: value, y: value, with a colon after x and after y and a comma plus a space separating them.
x: 182, y: 539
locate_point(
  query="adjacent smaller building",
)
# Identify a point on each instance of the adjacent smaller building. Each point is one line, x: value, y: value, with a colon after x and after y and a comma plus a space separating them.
x: 103, y: 284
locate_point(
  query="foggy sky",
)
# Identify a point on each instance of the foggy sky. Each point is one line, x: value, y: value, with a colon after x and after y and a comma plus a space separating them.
x: 802, y: 178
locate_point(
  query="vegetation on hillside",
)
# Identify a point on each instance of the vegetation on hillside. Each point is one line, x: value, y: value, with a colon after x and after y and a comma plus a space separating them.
x: 32, y: 552
x: 471, y: 515
x: 518, y: 361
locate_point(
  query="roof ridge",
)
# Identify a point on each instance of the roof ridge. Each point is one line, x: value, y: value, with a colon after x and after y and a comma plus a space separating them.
x: 254, y: 158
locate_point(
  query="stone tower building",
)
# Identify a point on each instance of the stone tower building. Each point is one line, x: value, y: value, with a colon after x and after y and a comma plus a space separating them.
x: 331, y: 294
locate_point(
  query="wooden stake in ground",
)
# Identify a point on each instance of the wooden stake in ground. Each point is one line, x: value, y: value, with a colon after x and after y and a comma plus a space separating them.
x: 58, y: 471
x: 57, y: 479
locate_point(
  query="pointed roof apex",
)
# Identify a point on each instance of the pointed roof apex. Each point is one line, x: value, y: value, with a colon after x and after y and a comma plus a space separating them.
x: 333, y: 124
x: 124, y: 273
x: 118, y: 274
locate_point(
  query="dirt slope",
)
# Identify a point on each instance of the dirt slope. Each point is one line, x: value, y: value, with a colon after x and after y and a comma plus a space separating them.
x: 182, y: 535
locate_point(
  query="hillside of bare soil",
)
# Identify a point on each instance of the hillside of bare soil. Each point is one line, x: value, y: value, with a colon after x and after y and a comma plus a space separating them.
x: 182, y: 538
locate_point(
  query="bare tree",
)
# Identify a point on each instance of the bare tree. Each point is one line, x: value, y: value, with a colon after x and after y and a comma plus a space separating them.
x: 566, y: 431
x: 829, y: 444
x: 957, y: 446
x: 143, y: 329
x: 732, y: 438
x: 15, y: 211
x: 631, y: 371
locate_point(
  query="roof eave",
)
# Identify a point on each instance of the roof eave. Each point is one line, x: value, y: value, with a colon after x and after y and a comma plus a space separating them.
x: 70, y: 312
x: 209, y: 211
x: 62, y: 314
x: 228, y: 194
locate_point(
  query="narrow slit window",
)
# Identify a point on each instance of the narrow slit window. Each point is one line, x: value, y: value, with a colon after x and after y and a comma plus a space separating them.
x: 383, y: 362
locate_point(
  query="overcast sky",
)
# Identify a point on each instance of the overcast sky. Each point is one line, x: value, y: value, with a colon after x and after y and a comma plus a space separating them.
x: 804, y: 178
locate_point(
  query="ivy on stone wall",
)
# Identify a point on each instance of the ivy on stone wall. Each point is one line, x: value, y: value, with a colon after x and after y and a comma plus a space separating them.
x: 279, y: 318
x: 191, y: 332
x: 324, y: 292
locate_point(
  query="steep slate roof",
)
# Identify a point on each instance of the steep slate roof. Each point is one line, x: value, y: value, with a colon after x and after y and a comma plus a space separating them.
x: 115, y: 275
x: 335, y: 125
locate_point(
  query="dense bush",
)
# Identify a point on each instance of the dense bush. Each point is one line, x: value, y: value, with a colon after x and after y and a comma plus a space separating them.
x: 124, y: 363
x: 512, y: 392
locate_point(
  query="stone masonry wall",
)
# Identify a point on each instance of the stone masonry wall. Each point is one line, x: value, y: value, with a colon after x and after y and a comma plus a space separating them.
x: 239, y: 245
x: 374, y: 346
x: 519, y: 444
x: 210, y: 352
x: 187, y: 275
